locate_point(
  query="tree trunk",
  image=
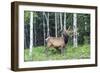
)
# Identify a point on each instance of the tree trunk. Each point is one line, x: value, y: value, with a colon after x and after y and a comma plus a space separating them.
x: 64, y: 21
x: 55, y: 24
x: 31, y: 32
x: 35, y: 31
x: 75, y: 30
x: 48, y: 34
x: 47, y: 20
x: 44, y: 27
x: 61, y: 22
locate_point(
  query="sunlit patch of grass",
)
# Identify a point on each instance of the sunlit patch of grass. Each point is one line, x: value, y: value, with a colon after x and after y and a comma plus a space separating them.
x: 38, y: 53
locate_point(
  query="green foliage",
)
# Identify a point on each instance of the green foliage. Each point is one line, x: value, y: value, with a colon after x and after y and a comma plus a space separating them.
x: 26, y: 17
x: 69, y: 20
x: 83, y: 24
x: 38, y: 53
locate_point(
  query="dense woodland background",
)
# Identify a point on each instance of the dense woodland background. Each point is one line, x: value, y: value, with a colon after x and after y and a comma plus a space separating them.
x: 83, y: 26
x: 46, y: 24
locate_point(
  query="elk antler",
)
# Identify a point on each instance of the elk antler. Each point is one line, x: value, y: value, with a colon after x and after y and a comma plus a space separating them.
x: 68, y: 28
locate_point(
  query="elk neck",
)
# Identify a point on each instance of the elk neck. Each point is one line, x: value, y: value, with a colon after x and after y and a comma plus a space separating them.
x: 65, y: 38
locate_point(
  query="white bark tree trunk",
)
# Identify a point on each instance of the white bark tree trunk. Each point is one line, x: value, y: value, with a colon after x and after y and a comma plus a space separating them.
x: 75, y: 30
x: 47, y: 20
x: 48, y: 34
x: 44, y: 27
x: 64, y: 21
x: 31, y: 32
x: 35, y: 32
x: 55, y: 24
x: 61, y: 22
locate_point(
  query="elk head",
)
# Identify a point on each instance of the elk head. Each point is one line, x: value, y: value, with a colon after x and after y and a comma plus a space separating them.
x: 68, y: 32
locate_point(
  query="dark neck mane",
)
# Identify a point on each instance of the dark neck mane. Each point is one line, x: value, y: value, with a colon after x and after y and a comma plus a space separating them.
x: 66, y: 38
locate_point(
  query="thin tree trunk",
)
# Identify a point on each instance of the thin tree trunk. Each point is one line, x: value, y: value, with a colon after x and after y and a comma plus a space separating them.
x: 47, y: 20
x: 61, y: 22
x: 75, y: 30
x: 31, y: 32
x: 58, y: 24
x: 64, y: 21
x: 35, y: 32
x: 44, y: 27
x: 48, y: 34
x: 55, y: 24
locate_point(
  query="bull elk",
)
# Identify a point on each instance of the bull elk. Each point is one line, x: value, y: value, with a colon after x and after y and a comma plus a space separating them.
x: 58, y: 43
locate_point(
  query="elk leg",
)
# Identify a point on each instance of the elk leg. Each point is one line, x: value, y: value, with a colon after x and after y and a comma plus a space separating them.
x: 62, y: 51
x: 46, y: 51
x: 58, y: 49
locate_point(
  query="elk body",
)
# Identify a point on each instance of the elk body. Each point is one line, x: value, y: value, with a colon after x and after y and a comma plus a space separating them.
x: 58, y: 43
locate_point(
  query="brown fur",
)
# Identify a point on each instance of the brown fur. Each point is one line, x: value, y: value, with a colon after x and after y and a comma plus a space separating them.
x: 55, y: 42
x: 58, y: 43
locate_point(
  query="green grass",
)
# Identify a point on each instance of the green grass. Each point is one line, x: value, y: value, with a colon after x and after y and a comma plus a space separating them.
x: 38, y: 53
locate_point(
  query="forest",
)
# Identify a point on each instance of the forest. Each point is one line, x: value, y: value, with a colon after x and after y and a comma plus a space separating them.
x: 38, y: 25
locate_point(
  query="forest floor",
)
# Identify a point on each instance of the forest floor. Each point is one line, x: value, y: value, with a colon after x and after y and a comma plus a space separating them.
x: 38, y: 53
